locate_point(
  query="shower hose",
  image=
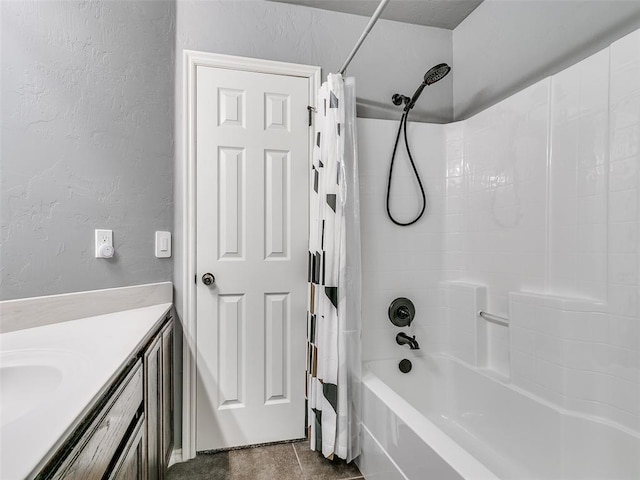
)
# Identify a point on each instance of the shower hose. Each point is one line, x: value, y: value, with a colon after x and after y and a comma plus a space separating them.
x: 401, y: 128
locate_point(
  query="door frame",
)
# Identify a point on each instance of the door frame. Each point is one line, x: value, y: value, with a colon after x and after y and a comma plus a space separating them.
x: 191, y: 60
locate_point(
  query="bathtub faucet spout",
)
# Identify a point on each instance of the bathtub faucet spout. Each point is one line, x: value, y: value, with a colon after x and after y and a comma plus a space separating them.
x: 404, y: 339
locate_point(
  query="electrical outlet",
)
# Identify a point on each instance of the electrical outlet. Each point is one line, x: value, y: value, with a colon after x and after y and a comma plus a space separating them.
x: 104, y: 243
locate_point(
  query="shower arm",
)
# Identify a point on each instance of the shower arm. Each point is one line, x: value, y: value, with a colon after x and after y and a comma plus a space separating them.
x: 367, y: 29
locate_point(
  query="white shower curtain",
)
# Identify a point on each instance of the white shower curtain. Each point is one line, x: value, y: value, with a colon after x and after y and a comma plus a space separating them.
x: 333, y: 318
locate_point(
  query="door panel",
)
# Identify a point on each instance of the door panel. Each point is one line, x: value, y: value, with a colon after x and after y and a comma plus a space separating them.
x: 252, y: 154
x: 230, y: 355
x: 278, y: 323
x: 231, y: 203
x: 276, y: 202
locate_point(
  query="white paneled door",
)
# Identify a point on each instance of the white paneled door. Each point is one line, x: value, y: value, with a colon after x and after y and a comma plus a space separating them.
x: 252, y: 150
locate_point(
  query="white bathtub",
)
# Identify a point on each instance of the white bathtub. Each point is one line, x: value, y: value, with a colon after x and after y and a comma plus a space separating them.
x: 445, y: 420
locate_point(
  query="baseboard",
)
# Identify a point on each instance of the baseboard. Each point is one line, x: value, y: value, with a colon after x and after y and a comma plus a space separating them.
x: 252, y: 445
x: 176, y: 457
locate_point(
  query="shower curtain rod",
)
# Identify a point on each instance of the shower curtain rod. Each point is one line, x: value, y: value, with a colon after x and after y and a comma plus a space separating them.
x: 367, y: 29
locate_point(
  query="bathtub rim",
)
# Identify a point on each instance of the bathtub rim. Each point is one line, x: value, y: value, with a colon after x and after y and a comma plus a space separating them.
x: 506, y: 382
x: 459, y: 459
x: 465, y: 464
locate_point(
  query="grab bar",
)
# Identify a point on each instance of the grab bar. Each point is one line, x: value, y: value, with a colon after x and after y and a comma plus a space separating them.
x: 490, y: 317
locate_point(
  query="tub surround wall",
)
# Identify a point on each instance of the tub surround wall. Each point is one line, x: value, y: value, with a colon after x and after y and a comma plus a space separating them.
x: 495, y: 225
x: 461, y: 306
x: 540, y: 224
x: 550, y: 206
x: 572, y: 353
x: 580, y: 164
x: 400, y: 261
x: 470, y: 337
x: 542, y: 193
x: 87, y: 122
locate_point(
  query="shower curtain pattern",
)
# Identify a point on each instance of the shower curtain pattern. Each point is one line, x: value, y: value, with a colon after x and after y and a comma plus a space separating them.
x: 330, y: 422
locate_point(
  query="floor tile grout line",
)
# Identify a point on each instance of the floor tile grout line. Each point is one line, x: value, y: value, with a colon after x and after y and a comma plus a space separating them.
x: 295, y: 452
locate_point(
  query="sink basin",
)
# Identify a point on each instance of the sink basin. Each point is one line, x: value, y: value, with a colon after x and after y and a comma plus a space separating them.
x: 30, y: 378
x: 25, y: 387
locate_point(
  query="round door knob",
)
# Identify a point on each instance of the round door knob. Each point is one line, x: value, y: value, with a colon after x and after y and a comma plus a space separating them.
x: 208, y: 279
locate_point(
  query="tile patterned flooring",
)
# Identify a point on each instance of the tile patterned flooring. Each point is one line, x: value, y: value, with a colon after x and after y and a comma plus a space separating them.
x: 287, y: 461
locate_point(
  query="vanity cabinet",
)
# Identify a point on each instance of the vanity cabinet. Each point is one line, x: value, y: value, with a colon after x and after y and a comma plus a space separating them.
x: 93, y: 453
x: 128, y: 434
x: 159, y: 402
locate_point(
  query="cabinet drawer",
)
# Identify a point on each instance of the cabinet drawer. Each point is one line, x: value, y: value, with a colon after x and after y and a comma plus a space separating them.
x: 90, y: 459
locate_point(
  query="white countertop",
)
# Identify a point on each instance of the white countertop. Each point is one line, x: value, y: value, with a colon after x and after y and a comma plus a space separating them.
x: 90, y: 352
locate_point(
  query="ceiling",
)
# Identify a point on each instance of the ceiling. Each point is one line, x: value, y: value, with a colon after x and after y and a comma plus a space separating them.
x: 431, y: 13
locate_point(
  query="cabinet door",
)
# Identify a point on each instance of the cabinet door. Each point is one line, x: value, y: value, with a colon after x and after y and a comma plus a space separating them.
x: 133, y: 462
x: 90, y: 459
x: 153, y: 407
x: 167, y: 393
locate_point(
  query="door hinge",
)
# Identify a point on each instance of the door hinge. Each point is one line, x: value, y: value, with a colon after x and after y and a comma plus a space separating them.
x: 311, y: 109
x: 195, y: 279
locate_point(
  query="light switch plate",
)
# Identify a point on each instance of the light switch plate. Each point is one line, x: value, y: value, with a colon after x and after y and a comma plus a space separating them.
x: 163, y: 244
x: 103, y: 237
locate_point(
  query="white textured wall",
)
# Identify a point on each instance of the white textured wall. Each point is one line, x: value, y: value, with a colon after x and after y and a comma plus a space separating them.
x: 507, y: 45
x: 87, y: 121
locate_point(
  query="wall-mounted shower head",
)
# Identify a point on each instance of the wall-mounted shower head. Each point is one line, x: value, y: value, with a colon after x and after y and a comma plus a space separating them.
x: 432, y: 76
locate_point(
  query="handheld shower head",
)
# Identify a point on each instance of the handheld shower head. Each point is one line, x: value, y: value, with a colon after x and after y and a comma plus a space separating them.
x: 436, y: 73
x: 432, y: 76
